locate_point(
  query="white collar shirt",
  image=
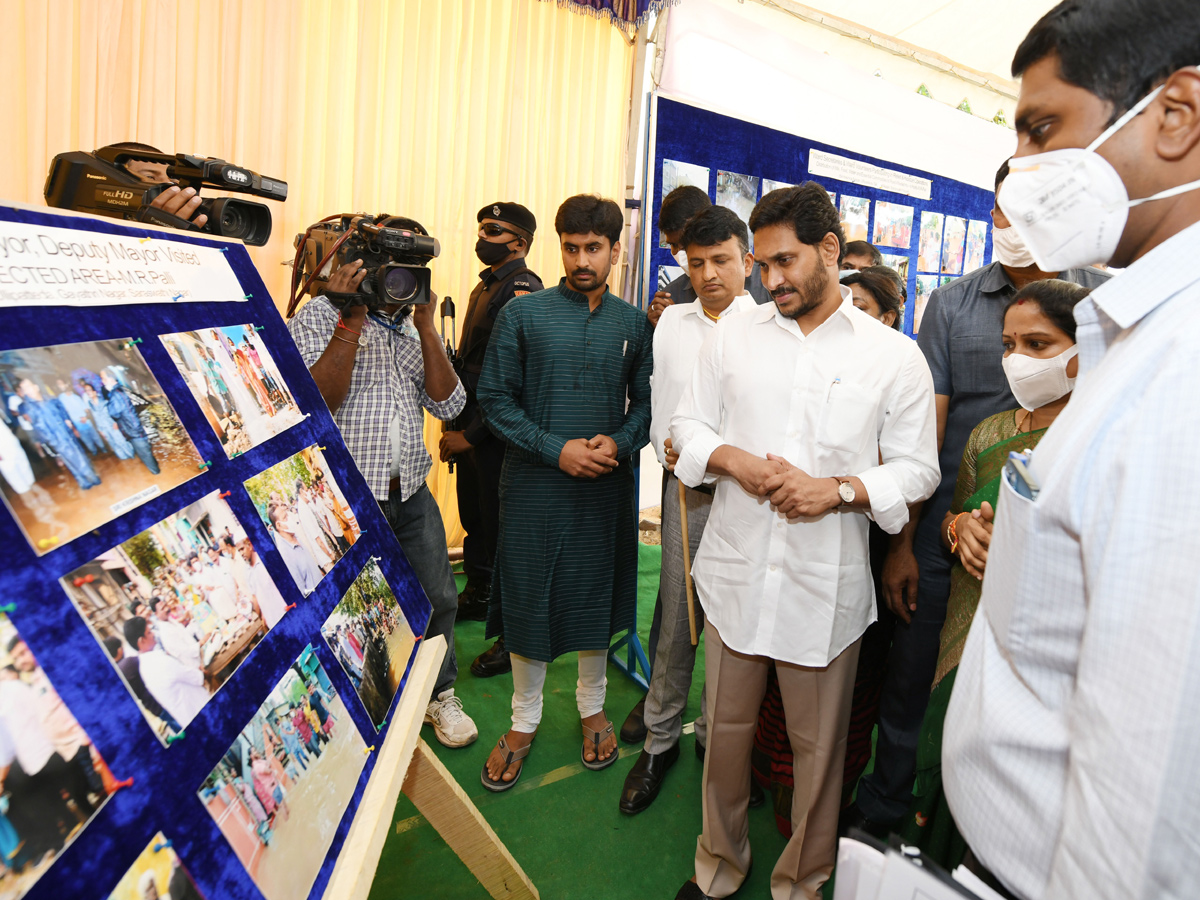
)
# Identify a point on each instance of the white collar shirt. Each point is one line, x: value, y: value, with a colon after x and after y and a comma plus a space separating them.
x: 179, y: 689
x: 20, y: 711
x: 677, y: 339
x: 1069, y: 756
x: 853, y: 397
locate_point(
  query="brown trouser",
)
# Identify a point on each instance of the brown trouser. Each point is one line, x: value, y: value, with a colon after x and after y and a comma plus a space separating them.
x: 816, y: 703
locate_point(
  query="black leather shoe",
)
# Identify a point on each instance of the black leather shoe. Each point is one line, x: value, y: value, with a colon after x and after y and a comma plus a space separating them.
x: 853, y: 817
x: 634, y: 729
x: 472, y: 604
x: 645, y: 778
x: 691, y: 891
x: 493, y: 661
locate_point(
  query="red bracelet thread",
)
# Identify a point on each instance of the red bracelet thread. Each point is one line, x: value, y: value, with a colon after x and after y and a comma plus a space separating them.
x: 341, y: 324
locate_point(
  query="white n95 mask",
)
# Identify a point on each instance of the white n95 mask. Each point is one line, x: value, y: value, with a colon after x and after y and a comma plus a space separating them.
x: 1070, y: 206
x: 1036, y: 382
x: 681, y: 258
x: 1009, y: 249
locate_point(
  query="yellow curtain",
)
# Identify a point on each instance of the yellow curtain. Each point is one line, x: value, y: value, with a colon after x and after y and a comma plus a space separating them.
x: 423, y: 108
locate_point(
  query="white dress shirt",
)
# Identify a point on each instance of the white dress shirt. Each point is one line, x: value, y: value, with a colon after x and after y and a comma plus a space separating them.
x: 1070, y: 748
x: 180, y: 641
x: 263, y: 588
x: 677, y: 339
x: 178, y: 689
x: 20, y: 711
x: 833, y: 403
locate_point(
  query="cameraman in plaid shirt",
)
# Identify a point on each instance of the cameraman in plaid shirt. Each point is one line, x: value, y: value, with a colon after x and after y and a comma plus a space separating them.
x: 377, y: 371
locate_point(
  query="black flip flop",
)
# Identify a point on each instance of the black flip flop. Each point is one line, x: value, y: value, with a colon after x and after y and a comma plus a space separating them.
x: 499, y: 785
x: 596, y: 738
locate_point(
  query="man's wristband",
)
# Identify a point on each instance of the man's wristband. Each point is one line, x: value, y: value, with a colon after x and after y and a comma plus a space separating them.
x: 344, y: 340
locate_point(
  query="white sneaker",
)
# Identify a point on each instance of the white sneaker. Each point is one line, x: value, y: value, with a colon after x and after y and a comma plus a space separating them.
x: 452, y: 726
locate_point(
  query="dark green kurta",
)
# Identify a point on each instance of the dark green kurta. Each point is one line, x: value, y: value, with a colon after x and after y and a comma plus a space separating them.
x: 566, y: 562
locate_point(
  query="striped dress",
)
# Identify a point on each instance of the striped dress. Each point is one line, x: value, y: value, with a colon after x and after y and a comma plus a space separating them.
x: 565, y: 576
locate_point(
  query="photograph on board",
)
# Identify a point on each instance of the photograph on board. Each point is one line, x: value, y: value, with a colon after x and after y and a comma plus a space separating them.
x: 929, y: 247
x: 738, y: 193
x: 893, y: 225
x: 52, y: 778
x: 87, y: 435
x: 178, y: 608
x: 770, y: 184
x: 855, y: 213
x: 667, y: 274
x: 372, y: 640
x: 899, y: 263
x: 677, y: 174
x: 976, y: 244
x: 306, y: 513
x: 157, y: 874
x: 280, y: 791
x: 235, y: 381
x: 925, y: 286
x: 953, y: 242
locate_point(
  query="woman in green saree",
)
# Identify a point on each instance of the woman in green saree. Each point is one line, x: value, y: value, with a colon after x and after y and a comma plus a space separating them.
x: 1040, y: 363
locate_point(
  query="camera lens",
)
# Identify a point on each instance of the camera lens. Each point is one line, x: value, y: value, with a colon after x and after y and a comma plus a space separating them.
x: 400, y: 284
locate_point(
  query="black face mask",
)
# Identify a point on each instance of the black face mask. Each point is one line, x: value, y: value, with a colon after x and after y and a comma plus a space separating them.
x: 489, y: 253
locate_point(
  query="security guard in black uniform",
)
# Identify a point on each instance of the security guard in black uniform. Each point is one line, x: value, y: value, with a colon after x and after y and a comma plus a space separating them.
x: 505, y: 234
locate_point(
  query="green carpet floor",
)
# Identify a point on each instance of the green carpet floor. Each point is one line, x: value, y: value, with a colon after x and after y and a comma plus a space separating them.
x: 561, y: 821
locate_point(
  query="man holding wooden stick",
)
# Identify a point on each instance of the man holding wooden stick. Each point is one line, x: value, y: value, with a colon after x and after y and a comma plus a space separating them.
x: 717, y: 245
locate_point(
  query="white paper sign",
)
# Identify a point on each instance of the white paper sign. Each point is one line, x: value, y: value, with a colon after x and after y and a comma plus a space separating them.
x: 855, y: 171
x: 41, y: 265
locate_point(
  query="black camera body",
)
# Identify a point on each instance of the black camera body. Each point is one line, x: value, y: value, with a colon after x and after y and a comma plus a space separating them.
x: 395, y: 259
x: 99, y: 183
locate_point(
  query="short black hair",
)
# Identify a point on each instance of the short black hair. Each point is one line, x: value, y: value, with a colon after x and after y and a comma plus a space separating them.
x: 715, y: 225
x: 590, y: 213
x: 807, y: 208
x: 12, y: 643
x: 891, y: 273
x: 135, y: 630
x: 112, y: 645
x: 1115, y: 49
x: 680, y: 205
x: 880, y: 286
x: 865, y: 248
x: 1057, y: 299
x: 1001, y: 174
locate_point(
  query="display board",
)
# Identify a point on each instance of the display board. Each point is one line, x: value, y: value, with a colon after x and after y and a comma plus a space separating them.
x: 931, y: 229
x: 155, y: 407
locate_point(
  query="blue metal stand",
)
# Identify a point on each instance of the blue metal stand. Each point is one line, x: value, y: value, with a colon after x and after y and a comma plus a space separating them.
x: 634, y: 658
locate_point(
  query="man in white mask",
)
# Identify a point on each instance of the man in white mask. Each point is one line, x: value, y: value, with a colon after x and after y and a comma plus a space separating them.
x: 1070, y: 739
x: 960, y: 337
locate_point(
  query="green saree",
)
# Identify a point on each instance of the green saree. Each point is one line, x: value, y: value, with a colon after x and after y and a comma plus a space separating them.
x: 929, y: 824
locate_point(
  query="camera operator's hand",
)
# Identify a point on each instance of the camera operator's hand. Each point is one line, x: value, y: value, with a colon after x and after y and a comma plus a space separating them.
x: 423, y: 315
x: 182, y: 203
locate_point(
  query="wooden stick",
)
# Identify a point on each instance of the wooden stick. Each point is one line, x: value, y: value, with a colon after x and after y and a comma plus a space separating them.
x: 687, y: 562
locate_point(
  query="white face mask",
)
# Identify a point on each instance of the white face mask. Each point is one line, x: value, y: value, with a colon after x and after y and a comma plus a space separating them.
x: 681, y: 258
x: 1009, y: 249
x: 1036, y: 382
x: 1070, y: 206
x: 846, y: 273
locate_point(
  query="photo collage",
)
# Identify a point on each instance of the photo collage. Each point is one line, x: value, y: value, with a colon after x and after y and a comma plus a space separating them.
x: 946, y: 247
x: 90, y: 433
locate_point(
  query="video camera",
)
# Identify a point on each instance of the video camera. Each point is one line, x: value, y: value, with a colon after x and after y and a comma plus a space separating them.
x: 394, y: 254
x: 99, y: 183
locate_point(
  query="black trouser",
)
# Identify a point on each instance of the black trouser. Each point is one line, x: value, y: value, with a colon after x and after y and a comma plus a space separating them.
x: 479, y: 507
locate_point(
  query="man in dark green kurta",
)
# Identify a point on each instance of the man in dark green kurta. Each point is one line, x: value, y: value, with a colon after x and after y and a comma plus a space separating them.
x: 560, y: 368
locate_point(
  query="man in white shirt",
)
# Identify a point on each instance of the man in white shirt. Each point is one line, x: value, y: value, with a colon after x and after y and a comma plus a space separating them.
x: 260, y: 584
x: 717, y: 245
x: 179, y: 639
x: 827, y: 412
x: 179, y: 689
x: 219, y: 583
x: 1069, y: 754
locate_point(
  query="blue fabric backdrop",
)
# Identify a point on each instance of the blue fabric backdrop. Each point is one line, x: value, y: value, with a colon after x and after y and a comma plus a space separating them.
x: 163, y: 795
x: 698, y: 136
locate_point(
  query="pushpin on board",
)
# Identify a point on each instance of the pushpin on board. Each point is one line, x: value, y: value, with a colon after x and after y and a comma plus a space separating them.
x: 176, y: 737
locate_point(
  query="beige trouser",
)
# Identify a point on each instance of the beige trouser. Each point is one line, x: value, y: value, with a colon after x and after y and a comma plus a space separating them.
x: 816, y: 703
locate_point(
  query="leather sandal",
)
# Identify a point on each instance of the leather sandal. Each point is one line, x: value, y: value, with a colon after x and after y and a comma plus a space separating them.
x: 596, y: 738
x: 499, y: 785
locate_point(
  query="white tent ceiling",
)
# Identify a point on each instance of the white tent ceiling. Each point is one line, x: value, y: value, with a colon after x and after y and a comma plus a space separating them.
x: 979, y: 34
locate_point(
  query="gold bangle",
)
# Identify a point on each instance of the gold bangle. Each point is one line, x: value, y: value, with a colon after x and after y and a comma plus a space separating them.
x: 344, y: 340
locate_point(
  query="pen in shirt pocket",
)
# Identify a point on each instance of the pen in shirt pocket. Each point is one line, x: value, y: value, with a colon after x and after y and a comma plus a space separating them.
x: 624, y: 347
x: 829, y: 393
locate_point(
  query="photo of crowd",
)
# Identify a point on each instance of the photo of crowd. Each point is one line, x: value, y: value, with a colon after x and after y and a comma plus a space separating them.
x: 87, y: 434
x: 178, y: 608
x: 157, y: 874
x: 231, y: 374
x: 306, y: 513
x: 279, y: 792
x: 372, y: 640
x: 52, y: 778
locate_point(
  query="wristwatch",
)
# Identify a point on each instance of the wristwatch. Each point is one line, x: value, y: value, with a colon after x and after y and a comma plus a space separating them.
x: 845, y: 490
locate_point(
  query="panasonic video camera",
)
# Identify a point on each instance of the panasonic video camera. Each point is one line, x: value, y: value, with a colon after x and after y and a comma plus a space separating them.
x: 99, y: 183
x: 394, y: 253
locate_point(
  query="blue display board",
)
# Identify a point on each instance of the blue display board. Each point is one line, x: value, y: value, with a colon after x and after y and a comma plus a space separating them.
x: 165, y: 778
x: 720, y: 143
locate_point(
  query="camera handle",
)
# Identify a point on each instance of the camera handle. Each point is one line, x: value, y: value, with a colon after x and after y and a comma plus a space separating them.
x: 447, y: 310
x: 155, y: 216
